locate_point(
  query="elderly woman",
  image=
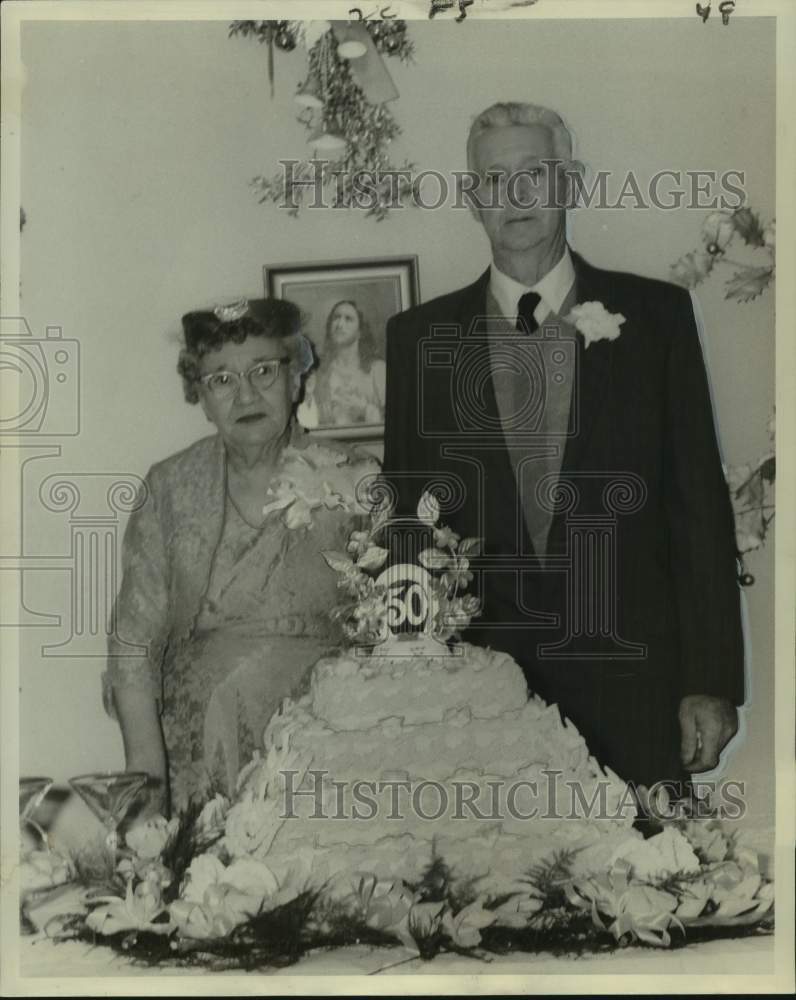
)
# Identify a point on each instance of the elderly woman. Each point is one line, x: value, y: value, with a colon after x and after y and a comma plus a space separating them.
x: 349, y: 385
x: 223, y: 584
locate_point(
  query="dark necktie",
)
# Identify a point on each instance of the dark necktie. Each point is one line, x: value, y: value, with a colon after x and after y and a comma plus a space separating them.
x: 525, y: 308
x: 536, y: 518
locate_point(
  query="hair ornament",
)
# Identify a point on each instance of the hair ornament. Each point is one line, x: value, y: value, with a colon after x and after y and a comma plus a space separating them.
x: 229, y: 313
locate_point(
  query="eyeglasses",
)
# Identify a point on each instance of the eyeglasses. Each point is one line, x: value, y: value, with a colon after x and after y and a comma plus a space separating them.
x: 224, y: 384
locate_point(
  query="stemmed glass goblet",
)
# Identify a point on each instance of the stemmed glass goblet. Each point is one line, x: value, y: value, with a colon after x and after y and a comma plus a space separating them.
x: 109, y: 795
x: 31, y: 793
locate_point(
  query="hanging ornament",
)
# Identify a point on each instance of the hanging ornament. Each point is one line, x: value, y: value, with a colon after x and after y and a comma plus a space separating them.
x: 310, y: 94
x: 343, y: 106
x: 313, y: 31
x: 392, y: 44
x: 273, y: 34
x: 284, y: 38
x: 351, y: 50
x: 329, y: 142
x: 368, y: 72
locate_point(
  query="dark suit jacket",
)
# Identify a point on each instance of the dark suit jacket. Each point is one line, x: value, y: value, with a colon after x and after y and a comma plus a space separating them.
x: 662, y: 618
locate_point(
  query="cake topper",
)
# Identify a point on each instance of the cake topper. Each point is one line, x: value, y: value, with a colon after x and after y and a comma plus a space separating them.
x: 404, y: 604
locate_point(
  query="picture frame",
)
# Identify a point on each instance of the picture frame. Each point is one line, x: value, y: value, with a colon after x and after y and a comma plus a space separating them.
x: 345, y: 306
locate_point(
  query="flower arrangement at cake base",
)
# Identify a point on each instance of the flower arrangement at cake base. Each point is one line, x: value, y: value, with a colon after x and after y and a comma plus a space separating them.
x: 202, y: 890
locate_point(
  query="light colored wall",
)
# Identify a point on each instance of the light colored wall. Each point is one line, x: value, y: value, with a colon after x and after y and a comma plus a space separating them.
x: 138, y: 142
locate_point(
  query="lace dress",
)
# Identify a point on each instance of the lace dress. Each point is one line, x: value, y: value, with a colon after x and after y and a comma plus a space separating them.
x: 219, y: 620
x: 262, y: 625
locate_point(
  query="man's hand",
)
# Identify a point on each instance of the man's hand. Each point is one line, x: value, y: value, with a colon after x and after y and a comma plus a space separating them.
x: 707, y: 725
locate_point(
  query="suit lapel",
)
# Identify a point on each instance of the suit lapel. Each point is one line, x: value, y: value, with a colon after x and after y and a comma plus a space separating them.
x: 591, y: 391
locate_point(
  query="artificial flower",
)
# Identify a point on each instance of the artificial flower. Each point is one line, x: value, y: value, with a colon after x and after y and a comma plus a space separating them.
x: 315, y: 478
x: 217, y: 898
x: 594, y: 322
x: 298, y: 515
x: 145, y: 869
x: 244, y: 874
x: 691, y: 269
x: 667, y: 853
x: 748, y: 226
x: 149, y: 838
x: 738, y: 476
x: 445, y: 538
x: 358, y: 543
x: 460, y: 611
x: 748, y: 495
x: 717, y: 231
x: 382, y: 905
x: 43, y: 869
x: 708, y: 840
x: 371, y: 614
x: 425, y: 920
x: 645, y: 913
x: 517, y: 910
x: 770, y: 236
x: 434, y: 559
x: 136, y: 912
x: 458, y: 575
x: 428, y: 509
x: 636, y: 911
x: 373, y: 558
x: 464, y: 928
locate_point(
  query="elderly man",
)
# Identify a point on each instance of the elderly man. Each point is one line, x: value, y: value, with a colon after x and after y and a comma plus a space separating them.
x: 566, y: 409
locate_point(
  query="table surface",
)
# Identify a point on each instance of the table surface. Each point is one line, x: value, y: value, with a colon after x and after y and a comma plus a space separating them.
x: 40, y: 956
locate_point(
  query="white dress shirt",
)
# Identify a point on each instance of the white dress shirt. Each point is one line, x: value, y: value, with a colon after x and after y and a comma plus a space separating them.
x: 553, y: 289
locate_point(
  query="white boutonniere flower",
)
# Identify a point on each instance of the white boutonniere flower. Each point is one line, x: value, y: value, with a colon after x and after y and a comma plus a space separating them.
x: 594, y: 321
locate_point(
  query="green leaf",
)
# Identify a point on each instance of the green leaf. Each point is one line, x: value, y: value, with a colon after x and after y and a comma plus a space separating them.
x: 747, y: 225
x: 470, y: 547
x: 374, y: 558
x: 768, y: 469
x: 434, y: 559
x: 338, y: 561
x: 747, y: 284
x: 428, y: 509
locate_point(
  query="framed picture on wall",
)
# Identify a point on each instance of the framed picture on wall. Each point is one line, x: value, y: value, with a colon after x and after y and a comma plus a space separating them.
x: 346, y: 305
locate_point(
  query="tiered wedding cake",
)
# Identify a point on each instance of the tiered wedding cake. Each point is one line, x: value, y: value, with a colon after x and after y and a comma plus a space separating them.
x: 411, y: 756
x: 418, y: 750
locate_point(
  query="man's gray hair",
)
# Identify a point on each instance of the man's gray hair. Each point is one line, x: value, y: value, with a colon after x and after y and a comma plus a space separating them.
x: 520, y: 113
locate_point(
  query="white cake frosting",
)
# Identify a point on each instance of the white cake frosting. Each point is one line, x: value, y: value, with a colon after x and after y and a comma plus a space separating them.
x: 407, y: 742
x: 351, y: 692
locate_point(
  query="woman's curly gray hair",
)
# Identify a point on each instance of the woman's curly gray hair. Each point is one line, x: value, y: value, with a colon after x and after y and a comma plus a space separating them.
x: 207, y: 330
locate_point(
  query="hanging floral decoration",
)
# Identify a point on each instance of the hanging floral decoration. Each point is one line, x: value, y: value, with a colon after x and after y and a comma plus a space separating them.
x: 344, y: 101
x: 751, y: 490
x: 752, y: 484
x: 719, y: 231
